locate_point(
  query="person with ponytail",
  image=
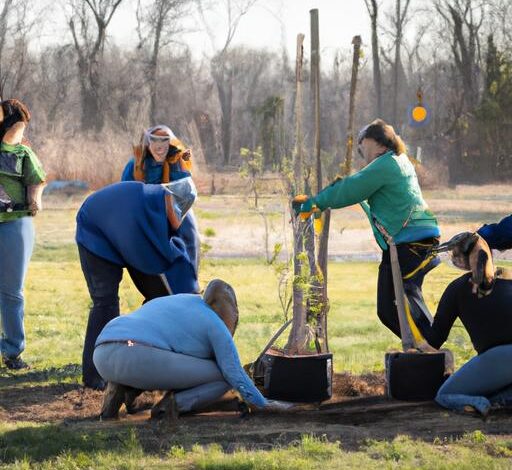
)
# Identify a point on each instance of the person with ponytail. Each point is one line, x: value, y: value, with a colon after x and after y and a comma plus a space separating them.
x: 388, y: 190
x: 161, y: 157
x: 21, y: 184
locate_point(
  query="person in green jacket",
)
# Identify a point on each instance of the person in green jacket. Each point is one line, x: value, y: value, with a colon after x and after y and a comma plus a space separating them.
x: 21, y: 184
x: 387, y: 188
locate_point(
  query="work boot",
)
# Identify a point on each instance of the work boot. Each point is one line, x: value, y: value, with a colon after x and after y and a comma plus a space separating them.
x: 112, y: 400
x: 130, y: 395
x: 166, y: 408
x: 15, y: 363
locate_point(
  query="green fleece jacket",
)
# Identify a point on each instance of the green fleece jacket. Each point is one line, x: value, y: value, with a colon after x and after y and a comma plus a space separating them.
x: 389, y: 192
x: 19, y: 168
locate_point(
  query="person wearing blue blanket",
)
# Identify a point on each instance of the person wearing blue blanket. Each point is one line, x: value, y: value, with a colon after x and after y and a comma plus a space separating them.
x: 182, y: 344
x: 128, y: 225
x: 161, y: 158
x: 498, y: 236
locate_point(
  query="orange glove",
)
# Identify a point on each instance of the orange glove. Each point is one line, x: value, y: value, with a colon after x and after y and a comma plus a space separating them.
x: 304, y: 206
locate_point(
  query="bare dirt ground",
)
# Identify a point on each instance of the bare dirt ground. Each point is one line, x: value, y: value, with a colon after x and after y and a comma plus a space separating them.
x: 358, y: 411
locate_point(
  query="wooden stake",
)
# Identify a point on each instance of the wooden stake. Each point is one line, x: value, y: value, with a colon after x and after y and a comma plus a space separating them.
x: 347, y: 165
x: 297, y: 339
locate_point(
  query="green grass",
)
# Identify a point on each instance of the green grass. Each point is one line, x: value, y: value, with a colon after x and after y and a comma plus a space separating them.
x: 57, y: 304
x: 57, y: 307
x: 55, y: 447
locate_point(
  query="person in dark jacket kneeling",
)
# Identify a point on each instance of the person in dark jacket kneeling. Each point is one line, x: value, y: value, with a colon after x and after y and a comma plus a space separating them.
x: 482, y: 299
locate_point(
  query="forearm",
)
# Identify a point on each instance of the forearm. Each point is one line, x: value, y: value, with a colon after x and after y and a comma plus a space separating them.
x: 348, y: 191
x: 498, y: 236
x: 35, y: 197
x: 446, y: 314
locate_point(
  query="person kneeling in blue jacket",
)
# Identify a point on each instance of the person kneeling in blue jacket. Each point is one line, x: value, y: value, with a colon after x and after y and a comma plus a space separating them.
x: 131, y: 225
x: 182, y: 343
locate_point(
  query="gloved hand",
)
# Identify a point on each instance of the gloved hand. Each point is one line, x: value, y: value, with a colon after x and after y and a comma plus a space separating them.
x: 278, y: 406
x: 304, y: 206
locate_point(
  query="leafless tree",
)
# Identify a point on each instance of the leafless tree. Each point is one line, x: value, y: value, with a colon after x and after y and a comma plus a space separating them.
x: 501, y: 17
x: 373, y: 10
x: 14, y: 56
x: 464, y: 19
x: 158, y: 25
x: 398, y: 20
x: 222, y: 72
x: 88, y: 23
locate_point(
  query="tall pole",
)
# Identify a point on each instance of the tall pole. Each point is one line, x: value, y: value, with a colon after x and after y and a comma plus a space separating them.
x: 315, y: 91
x: 346, y: 167
x: 297, y: 339
x: 318, y: 264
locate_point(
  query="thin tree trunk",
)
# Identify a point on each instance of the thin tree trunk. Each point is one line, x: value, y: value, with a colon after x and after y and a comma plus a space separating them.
x: 297, y: 338
x: 318, y: 266
x: 398, y: 43
x: 377, y: 78
x: 152, y: 73
x: 346, y: 168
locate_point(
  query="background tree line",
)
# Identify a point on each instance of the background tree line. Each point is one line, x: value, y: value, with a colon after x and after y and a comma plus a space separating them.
x: 91, y: 98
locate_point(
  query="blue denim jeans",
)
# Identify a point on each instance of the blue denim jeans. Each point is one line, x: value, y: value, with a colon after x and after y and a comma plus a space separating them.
x: 16, y: 245
x: 484, y: 380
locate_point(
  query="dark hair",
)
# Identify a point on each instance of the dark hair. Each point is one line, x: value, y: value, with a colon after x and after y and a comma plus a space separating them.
x: 14, y: 111
x: 384, y: 134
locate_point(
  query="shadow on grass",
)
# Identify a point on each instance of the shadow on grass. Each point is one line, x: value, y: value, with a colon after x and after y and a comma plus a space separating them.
x: 69, y: 371
x: 42, y: 443
x: 44, y: 403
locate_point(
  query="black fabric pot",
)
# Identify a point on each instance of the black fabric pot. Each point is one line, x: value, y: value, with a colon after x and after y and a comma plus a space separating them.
x: 305, y: 378
x: 415, y: 376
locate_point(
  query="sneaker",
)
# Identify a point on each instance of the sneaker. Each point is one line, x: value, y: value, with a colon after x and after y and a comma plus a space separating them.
x: 112, y: 400
x: 15, y: 363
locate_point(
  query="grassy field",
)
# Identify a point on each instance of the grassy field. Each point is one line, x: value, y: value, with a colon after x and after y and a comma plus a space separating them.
x: 57, y: 307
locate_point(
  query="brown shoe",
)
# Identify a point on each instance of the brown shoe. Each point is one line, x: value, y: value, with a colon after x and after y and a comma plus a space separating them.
x: 166, y: 408
x: 112, y: 400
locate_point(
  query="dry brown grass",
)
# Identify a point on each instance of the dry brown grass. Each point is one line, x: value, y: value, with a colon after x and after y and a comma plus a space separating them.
x: 96, y: 160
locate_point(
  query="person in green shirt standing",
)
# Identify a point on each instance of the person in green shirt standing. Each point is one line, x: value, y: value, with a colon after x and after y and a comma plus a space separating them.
x: 21, y: 183
x: 387, y: 188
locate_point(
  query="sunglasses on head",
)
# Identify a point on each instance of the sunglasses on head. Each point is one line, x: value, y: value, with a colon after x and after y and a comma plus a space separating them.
x: 159, y: 138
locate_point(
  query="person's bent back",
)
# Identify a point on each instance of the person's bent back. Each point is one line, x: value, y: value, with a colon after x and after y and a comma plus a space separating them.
x: 181, y: 342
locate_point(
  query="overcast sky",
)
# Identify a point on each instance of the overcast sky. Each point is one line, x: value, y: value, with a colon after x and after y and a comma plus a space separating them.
x: 267, y: 24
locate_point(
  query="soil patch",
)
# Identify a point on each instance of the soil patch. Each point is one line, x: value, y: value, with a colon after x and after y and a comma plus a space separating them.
x: 358, y: 411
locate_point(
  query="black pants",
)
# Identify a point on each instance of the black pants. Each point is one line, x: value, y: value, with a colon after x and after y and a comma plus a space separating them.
x: 103, y: 279
x: 410, y: 257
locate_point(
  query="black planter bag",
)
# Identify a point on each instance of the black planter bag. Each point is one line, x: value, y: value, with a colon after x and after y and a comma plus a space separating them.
x: 417, y: 375
x: 304, y: 379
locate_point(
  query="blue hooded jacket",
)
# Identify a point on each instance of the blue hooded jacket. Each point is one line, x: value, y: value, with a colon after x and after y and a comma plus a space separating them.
x: 126, y: 224
x: 498, y: 236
